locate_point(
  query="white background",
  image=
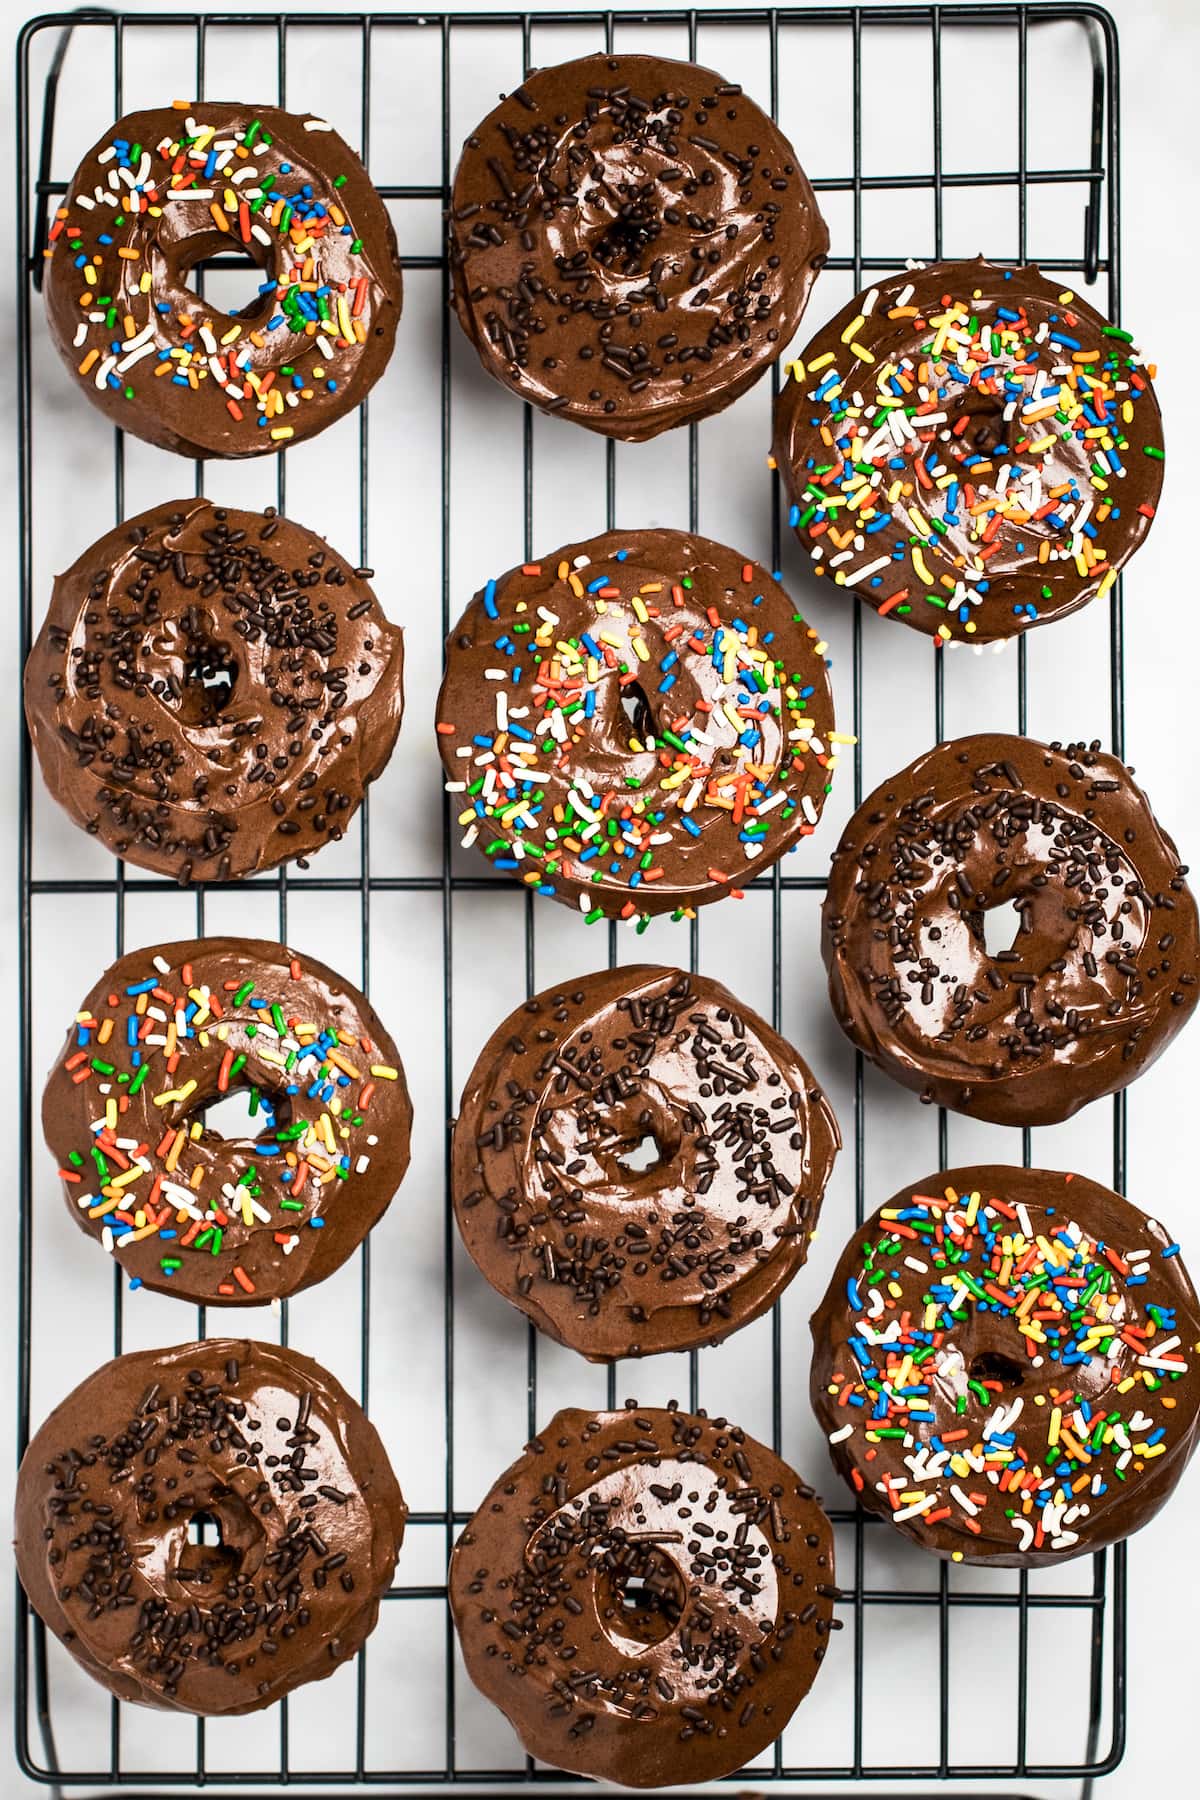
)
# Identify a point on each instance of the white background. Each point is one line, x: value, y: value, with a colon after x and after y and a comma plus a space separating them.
x: 1159, y: 46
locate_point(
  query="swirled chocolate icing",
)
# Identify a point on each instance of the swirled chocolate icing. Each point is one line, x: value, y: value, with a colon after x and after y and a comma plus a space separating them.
x: 127, y: 1484
x: 632, y: 242
x: 971, y: 449
x: 165, y: 190
x: 1104, y: 964
x: 646, y: 1594
x: 639, y: 1162
x: 212, y: 690
x: 1006, y: 1365
x: 636, y: 724
x: 172, y: 1030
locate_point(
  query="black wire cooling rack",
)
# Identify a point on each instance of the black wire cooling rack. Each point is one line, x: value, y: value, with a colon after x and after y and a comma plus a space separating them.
x: 1085, y: 248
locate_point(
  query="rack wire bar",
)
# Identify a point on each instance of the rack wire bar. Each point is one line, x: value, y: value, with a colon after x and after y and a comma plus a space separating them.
x: 45, y: 1730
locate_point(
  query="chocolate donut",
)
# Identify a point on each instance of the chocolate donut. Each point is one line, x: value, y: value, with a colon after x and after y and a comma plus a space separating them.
x: 632, y: 242
x: 971, y: 449
x: 638, y: 1162
x: 646, y: 1595
x: 212, y: 690
x: 124, y: 1488
x: 167, y: 1033
x: 163, y: 191
x: 1102, y: 971
x: 992, y: 1378
x: 636, y: 724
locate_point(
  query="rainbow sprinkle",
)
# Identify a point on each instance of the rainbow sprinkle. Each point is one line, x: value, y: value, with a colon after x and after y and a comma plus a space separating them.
x: 957, y: 1275
x: 309, y: 1088
x: 743, y: 750
x: 897, y: 510
x: 316, y: 298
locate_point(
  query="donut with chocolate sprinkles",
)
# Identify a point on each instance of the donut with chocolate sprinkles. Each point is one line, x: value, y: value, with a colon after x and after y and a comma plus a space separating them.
x: 1103, y: 967
x: 207, y: 1527
x: 183, y: 1204
x: 632, y: 242
x: 647, y: 1595
x: 638, y: 1162
x: 212, y: 690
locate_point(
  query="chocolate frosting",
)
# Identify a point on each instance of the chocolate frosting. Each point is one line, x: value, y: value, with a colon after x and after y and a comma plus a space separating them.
x: 212, y: 690
x: 971, y: 449
x: 167, y: 189
x: 637, y: 723
x: 1005, y: 1365
x: 255, y: 1438
x: 703, y: 1229
x: 632, y: 242
x: 167, y: 1032
x: 1102, y: 972
x: 646, y: 1595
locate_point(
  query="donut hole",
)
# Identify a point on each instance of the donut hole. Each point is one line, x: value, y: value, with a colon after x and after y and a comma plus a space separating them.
x: 624, y: 242
x: 229, y: 282
x: 205, y: 1559
x: 642, y: 1599
x: 243, y: 1114
x: 976, y: 425
x: 635, y: 704
x: 209, y: 677
x: 996, y: 1366
x: 1001, y: 926
x: 641, y: 1155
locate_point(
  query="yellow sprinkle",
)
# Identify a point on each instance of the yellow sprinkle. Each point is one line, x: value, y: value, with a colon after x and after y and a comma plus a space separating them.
x: 281, y: 431
x: 918, y: 563
x: 851, y: 329
x: 174, y: 1094
x: 382, y: 1072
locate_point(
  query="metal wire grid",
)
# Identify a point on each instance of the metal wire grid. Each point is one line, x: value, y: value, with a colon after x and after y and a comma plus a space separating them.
x: 39, y: 186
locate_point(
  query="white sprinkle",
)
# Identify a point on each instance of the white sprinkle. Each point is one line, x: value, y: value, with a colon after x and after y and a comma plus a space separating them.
x: 871, y: 568
x: 316, y: 125
x: 135, y: 356
x: 911, y: 1512
x: 837, y: 1437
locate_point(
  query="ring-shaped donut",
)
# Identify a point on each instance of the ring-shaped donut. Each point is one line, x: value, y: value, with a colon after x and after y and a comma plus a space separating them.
x: 209, y: 1526
x: 1103, y: 964
x: 173, y: 1030
x: 639, y: 1161
x: 972, y: 449
x: 212, y: 691
x: 636, y: 724
x: 646, y: 1594
x: 1005, y: 1365
x: 632, y: 242
x: 166, y: 190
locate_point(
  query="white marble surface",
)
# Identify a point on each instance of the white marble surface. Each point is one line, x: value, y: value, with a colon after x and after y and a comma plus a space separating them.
x: 1068, y: 696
